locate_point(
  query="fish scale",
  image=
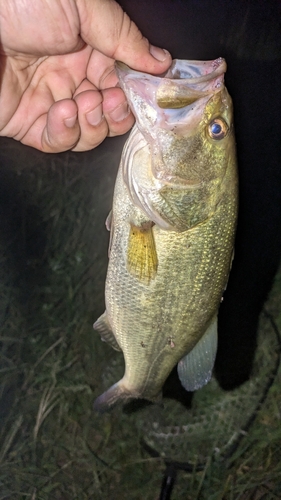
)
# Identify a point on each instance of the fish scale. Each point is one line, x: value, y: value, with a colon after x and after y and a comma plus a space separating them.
x: 172, y: 235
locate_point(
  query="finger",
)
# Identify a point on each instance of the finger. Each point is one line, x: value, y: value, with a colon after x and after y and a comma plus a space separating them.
x: 123, y: 40
x: 100, y: 115
x: 56, y: 131
x: 101, y: 70
x: 117, y: 112
x: 83, y: 87
x: 92, y: 122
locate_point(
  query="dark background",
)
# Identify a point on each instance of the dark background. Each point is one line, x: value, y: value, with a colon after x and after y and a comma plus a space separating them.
x: 247, y: 33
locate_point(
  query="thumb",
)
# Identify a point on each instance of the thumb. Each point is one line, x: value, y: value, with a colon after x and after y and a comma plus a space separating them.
x: 107, y: 28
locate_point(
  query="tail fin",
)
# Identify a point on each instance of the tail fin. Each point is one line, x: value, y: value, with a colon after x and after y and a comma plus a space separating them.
x: 117, y: 393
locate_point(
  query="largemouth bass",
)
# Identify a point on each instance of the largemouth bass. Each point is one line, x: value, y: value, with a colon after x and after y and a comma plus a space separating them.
x: 172, y: 229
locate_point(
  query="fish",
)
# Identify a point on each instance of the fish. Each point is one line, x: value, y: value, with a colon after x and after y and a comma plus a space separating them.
x: 172, y: 229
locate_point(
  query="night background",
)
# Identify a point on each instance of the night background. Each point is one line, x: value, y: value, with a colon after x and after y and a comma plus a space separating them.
x: 53, y: 253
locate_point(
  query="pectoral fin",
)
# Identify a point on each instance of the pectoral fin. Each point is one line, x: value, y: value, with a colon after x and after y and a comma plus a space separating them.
x: 142, y: 256
x: 195, y: 369
x: 104, y: 329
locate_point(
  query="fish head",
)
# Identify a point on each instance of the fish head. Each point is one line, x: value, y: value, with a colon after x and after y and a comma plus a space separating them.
x: 185, y: 115
x: 186, y: 121
x: 175, y: 98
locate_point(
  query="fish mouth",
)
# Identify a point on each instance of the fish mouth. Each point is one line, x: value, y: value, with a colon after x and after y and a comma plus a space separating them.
x: 196, y: 71
x: 190, y: 71
x: 181, y: 85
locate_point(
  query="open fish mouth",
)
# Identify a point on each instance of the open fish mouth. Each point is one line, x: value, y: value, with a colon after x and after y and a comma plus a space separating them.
x: 187, y: 81
x: 196, y: 71
x: 175, y: 100
x: 184, y: 83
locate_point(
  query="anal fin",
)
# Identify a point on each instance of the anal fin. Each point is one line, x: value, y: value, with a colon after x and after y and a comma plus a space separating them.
x: 195, y: 369
x: 103, y: 327
x: 142, y: 256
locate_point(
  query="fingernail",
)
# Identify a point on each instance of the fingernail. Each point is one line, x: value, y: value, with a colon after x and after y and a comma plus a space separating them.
x: 70, y: 122
x: 120, y: 113
x: 159, y: 54
x: 95, y: 116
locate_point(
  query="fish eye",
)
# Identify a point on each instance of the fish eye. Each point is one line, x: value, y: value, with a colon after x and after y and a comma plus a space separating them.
x: 217, y: 129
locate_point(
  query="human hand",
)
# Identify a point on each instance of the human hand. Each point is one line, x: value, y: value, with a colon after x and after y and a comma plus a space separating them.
x: 58, y: 83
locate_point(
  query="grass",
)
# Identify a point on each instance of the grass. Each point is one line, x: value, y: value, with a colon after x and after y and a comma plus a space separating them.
x: 53, y: 365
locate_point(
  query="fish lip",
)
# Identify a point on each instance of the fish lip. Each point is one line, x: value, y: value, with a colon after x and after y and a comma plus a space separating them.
x: 211, y: 69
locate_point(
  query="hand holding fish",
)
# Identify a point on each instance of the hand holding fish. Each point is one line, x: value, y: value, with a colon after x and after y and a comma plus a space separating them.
x: 58, y: 82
